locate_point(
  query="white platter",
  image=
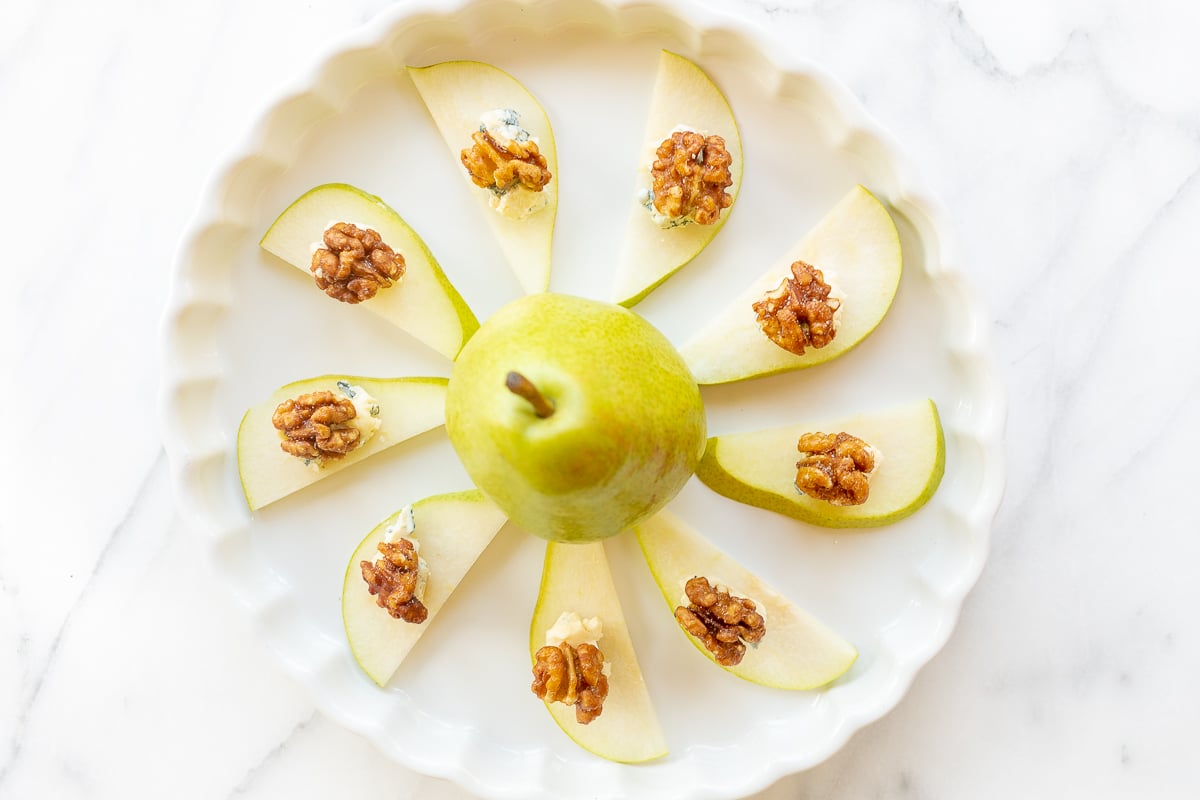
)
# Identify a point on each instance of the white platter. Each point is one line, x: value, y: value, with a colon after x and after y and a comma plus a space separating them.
x: 239, y: 324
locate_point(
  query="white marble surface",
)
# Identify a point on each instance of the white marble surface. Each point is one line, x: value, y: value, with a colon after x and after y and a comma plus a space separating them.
x: 1064, y: 137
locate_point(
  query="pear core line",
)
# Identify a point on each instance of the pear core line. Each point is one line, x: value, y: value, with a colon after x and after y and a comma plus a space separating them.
x: 521, y: 386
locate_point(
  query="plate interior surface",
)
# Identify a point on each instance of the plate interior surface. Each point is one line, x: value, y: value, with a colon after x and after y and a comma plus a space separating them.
x: 243, y: 323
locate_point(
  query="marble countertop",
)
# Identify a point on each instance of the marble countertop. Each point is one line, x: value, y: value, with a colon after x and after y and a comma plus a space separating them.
x: 1065, y: 139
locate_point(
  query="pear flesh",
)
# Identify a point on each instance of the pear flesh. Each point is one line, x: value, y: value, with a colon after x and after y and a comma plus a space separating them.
x: 407, y: 407
x: 759, y: 468
x: 423, y: 302
x: 451, y: 531
x: 627, y: 428
x: 458, y: 94
x: 683, y: 95
x: 798, y: 651
x: 857, y: 248
x: 576, y: 578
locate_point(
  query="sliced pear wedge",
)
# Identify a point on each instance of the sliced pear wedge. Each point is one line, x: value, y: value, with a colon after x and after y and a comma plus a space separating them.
x: 798, y: 652
x: 759, y: 468
x: 576, y: 578
x: 457, y: 94
x: 451, y: 531
x: 424, y: 302
x: 683, y: 95
x: 407, y: 407
x: 857, y: 248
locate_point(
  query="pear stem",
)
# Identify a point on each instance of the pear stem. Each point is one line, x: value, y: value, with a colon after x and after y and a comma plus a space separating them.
x: 521, y: 386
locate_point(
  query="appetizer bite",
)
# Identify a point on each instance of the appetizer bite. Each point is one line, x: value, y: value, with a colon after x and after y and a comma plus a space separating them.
x: 688, y: 182
x: 502, y: 137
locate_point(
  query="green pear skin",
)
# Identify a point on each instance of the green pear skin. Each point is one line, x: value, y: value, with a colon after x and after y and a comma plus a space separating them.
x: 627, y: 428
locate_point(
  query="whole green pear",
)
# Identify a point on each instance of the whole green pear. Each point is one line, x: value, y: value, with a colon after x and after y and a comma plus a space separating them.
x: 577, y: 418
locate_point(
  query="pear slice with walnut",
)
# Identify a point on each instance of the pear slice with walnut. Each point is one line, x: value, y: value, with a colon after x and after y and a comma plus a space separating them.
x: 797, y: 652
x: 406, y: 407
x: 683, y: 95
x: 857, y: 248
x: 423, y: 302
x: 451, y: 531
x: 458, y: 94
x: 759, y: 468
x: 576, y: 578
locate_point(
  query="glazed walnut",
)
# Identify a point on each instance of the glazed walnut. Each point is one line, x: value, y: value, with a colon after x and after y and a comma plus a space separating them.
x: 355, y: 264
x: 690, y: 175
x: 315, y: 426
x: 572, y: 675
x: 501, y: 167
x: 800, y: 313
x: 835, y: 468
x: 722, y: 622
x: 394, y: 579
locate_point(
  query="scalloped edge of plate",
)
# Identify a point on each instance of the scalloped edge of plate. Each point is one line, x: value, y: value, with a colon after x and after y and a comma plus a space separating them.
x: 198, y: 451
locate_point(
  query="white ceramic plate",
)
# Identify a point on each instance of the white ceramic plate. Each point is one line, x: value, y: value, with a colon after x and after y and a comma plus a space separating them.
x: 240, y: 324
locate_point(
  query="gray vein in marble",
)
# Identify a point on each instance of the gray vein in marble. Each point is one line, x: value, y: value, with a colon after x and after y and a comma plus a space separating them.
x: 27, y: 707
x: 251, y: 776
x: 974, y: 46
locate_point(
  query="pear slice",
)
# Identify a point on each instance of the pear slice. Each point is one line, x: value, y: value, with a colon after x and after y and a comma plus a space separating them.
x: 457, y: 94
x: 576, y: 578
x: 407, y: 407
x: 759, y: 468
x: 683, y: 95
x: 857, y: 248
x: 424, y: 302
x: 798, y: 652
x: 451, y: 531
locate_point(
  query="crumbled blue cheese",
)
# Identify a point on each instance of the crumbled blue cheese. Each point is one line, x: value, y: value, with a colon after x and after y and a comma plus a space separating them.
x: 402, y: 528
x: 504, y: 125
x: 646, y: 201
x: 574, y: 630
x: 517, y: 202
x: 366, y: 411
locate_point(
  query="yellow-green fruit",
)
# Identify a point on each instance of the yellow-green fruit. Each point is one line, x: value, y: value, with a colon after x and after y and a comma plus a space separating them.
x: 451, y: 531
x: 759, y: 468
x: 424, y: 302
x: 626, y: 431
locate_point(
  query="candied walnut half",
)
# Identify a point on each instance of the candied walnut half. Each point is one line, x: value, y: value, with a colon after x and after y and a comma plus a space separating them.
x: 394, y: 579
x: 835, y: 467
x: 690, y: 175
x: 355, y: 264
x: 722, y: 622
x: 501, y: 167
x: 314, y: 426
x: 800, y: 313
x: 571, y: 675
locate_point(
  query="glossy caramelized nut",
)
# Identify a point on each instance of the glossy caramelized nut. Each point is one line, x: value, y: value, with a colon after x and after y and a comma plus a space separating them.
x: 355, y: 264
x: 835, y: 468
x: 799, y: 313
